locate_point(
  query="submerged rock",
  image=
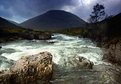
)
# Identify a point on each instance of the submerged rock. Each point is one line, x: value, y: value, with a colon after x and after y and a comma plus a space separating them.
x: 81, y: 63
x: 86, y: 63
x: 108, y: 74
x: 34, y: 69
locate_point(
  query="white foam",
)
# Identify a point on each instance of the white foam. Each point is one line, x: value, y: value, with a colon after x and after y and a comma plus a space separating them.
x: 64, y: 47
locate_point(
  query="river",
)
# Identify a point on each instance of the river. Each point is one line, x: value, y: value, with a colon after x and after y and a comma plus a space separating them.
x: 62, y: 47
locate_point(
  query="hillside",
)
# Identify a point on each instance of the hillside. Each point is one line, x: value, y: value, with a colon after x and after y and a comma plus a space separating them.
x: 6, y: 24
x: 54, y: 20
x: 108, y: 28
x: 9, y: 32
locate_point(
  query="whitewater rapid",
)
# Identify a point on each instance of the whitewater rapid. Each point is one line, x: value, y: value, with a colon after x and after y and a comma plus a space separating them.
x: 61, y: 46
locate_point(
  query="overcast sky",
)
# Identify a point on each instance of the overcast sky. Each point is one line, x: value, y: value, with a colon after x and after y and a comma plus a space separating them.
x: 21, y: 10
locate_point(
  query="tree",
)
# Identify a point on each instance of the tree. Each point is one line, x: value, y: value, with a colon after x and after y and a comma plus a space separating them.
x: 98, y: 13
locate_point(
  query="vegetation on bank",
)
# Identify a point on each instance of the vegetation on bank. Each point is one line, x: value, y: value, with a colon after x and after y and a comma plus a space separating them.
x: 15, y: 33
x: 71, y: 31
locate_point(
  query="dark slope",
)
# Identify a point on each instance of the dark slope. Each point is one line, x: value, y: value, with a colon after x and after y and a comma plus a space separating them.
x: 6, y: 24
x: 114, y: 26
x: 10, y: 32
x: 7, y: 28
x: 54, y: 19
x: 110, y: 27
x: 13, y: 22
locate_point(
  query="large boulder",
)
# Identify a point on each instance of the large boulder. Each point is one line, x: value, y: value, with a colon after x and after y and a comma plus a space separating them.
x: 34, y: 69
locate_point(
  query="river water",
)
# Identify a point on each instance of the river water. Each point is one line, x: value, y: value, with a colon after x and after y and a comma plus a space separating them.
x: 62, y: 47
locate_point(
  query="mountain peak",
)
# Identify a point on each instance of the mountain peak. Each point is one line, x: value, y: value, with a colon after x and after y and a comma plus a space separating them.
x: 52, y: 11
x: 54, y: 19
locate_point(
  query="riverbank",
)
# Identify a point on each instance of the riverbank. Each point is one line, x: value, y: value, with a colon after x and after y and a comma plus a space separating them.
x: 12, y: 32
x: 8, y: 35
x: 107, y: 34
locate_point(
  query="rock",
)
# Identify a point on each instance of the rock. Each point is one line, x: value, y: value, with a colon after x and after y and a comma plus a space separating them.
x: 81, y: 62
x: 0, y: 47
x: 34, y: 69
x: 113, y: 53
x: 86, y: 63
x: 44, y: 36
x: 5, y: 77
x: 28, y: 35
x: 110, y: 74
x: 32, y: 36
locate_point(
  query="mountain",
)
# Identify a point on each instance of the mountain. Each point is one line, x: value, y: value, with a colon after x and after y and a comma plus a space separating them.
x: 54, y: 19
x: 10, y: 32
x: 6, y: 24
x: 13, y: 22
x: 114, y: 26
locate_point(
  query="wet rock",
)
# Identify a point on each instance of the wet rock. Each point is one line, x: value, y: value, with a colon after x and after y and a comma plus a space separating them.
x: 32, y: 36
x: 108, y: 74
x: 0, y: 47
x: 28, y: 35
x: 86, y: 63
x: 81, y: 63
x: 100, y: 74
x: 44, y: 37
x: 113, y: 53
x: 5, y: 77
x: 34, y: 69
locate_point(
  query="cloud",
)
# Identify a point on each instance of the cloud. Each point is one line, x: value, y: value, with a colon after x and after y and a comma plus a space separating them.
x: 21, y: 10
x: 5, y: 12
x: 83, y: 8
x: 24, y: 9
